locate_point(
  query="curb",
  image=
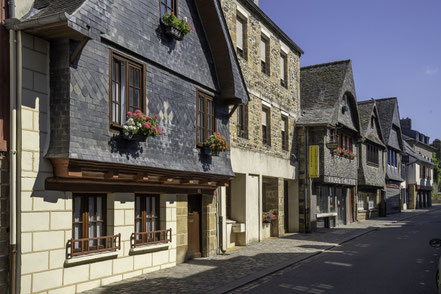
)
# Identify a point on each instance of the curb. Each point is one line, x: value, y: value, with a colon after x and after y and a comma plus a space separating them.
x: 277, y: 267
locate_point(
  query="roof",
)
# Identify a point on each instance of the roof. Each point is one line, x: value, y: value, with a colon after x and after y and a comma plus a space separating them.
x: 386, y: 111
x: 269, y: 23
x: 411, y: 152
x: 43, y: 8
x: 321, y: 87
x: 365, y: 111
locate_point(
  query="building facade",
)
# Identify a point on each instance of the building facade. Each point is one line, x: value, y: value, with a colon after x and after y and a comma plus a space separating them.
x: 395, y: 172
x: 327, y: 136
x: 262, y: 131
x: 419, y: 166
x: 98, y: 206
x: 371, y: 172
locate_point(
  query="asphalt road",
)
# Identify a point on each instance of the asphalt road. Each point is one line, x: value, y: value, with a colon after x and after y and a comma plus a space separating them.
x: 395, y: 259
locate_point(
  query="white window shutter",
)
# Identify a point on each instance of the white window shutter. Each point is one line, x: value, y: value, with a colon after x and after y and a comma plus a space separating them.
x: 263, y: 118
x: 282, y: 125
x: 262, y: 50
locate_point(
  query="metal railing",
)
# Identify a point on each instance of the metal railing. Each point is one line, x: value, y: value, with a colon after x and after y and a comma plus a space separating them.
x: 93, y: 245
x: 154, y: 237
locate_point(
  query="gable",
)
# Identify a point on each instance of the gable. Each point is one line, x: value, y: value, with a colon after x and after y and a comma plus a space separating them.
x: 373, y: 132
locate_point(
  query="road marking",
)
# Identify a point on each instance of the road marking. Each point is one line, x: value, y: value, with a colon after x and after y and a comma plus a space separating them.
x: 338, y: 263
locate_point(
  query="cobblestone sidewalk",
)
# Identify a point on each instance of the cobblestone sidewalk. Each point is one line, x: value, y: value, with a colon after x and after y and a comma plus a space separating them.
x: 223, y: 273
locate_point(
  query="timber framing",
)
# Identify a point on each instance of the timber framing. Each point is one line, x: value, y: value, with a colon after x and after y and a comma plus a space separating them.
x: 90, y: 176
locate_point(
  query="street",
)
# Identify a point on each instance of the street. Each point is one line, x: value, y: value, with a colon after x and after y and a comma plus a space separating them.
x: 394, y: 259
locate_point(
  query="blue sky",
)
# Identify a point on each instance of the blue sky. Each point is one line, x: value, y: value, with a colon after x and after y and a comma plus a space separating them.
x: 395, y: 47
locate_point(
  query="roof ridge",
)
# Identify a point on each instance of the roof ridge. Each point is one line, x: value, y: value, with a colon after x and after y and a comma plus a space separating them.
x: 325, y: 64
x: 366, y: 101
x: 388, y: 98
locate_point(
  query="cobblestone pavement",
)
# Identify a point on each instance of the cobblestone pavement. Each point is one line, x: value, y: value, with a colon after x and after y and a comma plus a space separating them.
x: 222, y: 273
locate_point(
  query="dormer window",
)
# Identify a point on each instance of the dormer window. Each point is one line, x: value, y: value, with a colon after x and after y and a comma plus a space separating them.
x: 168, y: 6
x: 344, y: 104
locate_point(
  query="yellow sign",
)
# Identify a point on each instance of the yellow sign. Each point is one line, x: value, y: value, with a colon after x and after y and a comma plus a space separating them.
x: 314, y: 161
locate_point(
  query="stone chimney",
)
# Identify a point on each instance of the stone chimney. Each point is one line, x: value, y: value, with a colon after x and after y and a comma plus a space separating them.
x: 406, y: 123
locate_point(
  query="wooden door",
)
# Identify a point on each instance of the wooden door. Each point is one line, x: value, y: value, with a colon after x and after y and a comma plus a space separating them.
x: 351, y: 206
x: 194, y: 226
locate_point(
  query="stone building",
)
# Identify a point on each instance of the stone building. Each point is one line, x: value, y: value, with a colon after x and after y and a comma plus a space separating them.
x: 5, y: 247
x: 97, y: 206
x: 327, y: 136
x: 389, y: 115
x: 419, y: 166
x: 371, y: 172
x: 262, y: 131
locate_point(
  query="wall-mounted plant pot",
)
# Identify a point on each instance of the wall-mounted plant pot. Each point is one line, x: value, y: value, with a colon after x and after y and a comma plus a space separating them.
x: 208, y: 151
x: 136, y: 137
x: 173, y: 32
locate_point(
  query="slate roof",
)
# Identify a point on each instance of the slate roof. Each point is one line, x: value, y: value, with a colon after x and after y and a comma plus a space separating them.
x: 365, y: 109
x: 320, y: 89
x: 409, y: 150
x: 386, y: 107
x: 48, y: 7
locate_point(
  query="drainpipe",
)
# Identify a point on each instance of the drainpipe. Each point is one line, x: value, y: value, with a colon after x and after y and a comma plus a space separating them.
x: 306, y: 180
x: 220, y: 223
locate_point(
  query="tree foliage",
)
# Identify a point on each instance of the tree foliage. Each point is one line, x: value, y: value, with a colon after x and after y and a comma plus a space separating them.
x: 436, y: 169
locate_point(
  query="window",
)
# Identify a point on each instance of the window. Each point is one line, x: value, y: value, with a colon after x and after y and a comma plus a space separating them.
x: 241, y: 36
x: 372, y: 154
x: 333, y: 138
x: 371, y: 203
x: 351, y: 146
x: 361, y: 202
x: 283, y: 70
x: 264, y: 55
x: 205, y: 117
x: 89, y: 226
x: 168, y: 6
x: 242, y: 121
x: 127, y: 88
x: 266, y: 126
x: 284, y: 127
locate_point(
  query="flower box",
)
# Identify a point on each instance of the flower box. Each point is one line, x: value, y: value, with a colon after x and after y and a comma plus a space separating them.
x: 173, y: 32
x: 215, y: 144
x: 266, y: 231
x: 135, y: 137
x: 209, y: 152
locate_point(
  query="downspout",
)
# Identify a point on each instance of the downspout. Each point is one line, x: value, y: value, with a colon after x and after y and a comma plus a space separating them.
x: 306, y: 180
x: 13, y: 153
x: 19, y: 153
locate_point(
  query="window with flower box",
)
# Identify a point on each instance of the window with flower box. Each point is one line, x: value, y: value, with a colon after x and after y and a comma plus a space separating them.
x: 168, y: 6
x: 127, y: 88
x: 205, y: 117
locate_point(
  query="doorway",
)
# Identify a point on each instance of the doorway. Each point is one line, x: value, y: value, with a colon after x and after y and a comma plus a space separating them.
x: 285, y: 204
x: 194, y: 226
x: 341, y: 206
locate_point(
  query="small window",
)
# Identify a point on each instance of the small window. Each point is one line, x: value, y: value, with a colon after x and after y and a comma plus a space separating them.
x: 332, y: 136
x: 264, y: 55
x: 242, y: 121
x: 361, y: 202
x: 241, y: 36
x: 372, y: 154
x: 284, y: 127
x: 168, y: 6
x: 266, y: 126
x: 283, y: 70
x: 127, y: 88
x: 205, y: 117
x: 351, y: 145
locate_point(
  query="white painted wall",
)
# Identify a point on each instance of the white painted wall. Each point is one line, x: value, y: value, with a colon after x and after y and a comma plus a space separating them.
x: 253, y: 208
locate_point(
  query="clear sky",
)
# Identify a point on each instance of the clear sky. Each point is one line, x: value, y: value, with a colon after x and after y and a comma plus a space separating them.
x: 395, y: 47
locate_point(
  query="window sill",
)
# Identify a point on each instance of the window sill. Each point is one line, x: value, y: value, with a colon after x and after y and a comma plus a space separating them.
x: 149, y: 248
x: 327, y: 214
x: 93, y: 257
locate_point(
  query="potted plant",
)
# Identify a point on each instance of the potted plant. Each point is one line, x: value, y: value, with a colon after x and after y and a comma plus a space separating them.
x: 174, y: 27
x: 139, y: 126
x: 267, y: 219
x: 337, y: 151
x: 215, y: 144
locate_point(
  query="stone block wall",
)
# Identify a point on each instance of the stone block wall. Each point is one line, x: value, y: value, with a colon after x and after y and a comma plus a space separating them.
x: 4, y: 222
x: 265, y: 88
x: 182, y: 228
x: 209, y: 221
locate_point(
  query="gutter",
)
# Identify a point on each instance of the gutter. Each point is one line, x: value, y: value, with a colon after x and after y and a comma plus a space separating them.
x: 16, y: 25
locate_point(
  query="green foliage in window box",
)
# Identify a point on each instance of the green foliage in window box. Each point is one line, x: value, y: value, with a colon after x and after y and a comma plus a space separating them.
x: 180, y: 24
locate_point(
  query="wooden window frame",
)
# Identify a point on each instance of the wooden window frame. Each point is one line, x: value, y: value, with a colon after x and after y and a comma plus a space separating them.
x: 207, y: 98
x: 130, y: 63
x: 174, y: 8
x: 266, y: 138
x: 265, y: 65
x: 285, y: 134
x: 242, y: 114
x: 244, y: 51
x: 284, y: 79
x: 84, y: 222
x: 372, y: 156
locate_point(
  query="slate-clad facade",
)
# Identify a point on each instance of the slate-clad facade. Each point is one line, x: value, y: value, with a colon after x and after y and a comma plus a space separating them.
x: 389, y: 115
x: 419, y: 166
x: 149, y: 205
x: 326, y: 143
x: 371, y: 173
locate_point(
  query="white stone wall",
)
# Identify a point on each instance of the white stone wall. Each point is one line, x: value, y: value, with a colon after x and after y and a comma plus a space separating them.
x: 46, y: 218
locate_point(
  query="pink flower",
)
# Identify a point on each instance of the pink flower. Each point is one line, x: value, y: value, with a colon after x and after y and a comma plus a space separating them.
x: 147, y: 125
x: 129, y: 113
x: 138, y: 111
x: 156, y: 115
x: 192, y: 29
x: 148, y: 117
x: 154, y: 129
x: 159, y: 131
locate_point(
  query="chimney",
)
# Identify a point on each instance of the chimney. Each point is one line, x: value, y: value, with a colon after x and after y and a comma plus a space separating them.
x: 406, y: 123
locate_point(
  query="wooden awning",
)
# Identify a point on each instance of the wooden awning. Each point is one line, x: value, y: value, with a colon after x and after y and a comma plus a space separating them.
x: 90, y: 176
